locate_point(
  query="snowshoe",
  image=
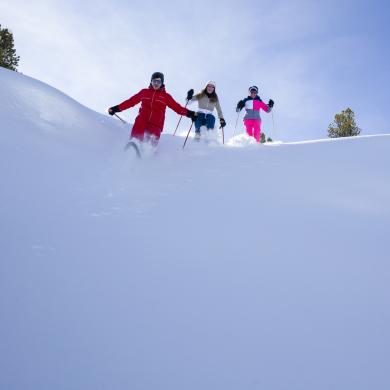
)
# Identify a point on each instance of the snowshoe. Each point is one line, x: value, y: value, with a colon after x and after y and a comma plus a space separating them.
x: 131, y: 145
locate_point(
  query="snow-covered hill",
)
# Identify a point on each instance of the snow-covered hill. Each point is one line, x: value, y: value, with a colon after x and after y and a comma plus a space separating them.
x: 249, y: 267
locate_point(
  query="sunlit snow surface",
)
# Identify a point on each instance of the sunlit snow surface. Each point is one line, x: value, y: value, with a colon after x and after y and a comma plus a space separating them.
x: 241, y: 266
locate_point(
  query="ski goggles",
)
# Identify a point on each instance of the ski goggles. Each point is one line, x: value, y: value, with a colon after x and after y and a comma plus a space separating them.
x: 253, y: 90
x: 156, y: 81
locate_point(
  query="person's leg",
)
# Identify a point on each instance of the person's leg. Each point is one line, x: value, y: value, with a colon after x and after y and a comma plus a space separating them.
x: 199, y: 121
x: 249, y: 127
x: 210, y: 121
x: 138, y: 129
x: 152, y: 135
x: 257, y: 129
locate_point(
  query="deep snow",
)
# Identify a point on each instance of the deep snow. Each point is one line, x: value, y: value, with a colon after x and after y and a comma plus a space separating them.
x: 236, y: 267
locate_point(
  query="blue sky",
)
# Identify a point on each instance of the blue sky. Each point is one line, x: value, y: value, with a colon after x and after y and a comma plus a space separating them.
x: 312, y: 58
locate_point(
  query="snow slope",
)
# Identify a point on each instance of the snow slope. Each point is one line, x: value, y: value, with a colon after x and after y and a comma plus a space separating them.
x: 236, y: 267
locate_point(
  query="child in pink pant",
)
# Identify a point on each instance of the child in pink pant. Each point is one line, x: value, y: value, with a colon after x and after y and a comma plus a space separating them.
x: 253, y: 104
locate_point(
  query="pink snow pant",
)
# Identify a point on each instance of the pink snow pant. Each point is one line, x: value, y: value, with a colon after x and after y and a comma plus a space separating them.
x: 253, y: 128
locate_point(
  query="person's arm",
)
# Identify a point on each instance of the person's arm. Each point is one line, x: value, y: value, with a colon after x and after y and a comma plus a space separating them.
x: 219, y: 110
x: 193, y: 99
x: 240, y: 105
x: 190, y: 95
x: 266, y: 107
x: 175, y: 106
x: 220, y: 115
x: 131, y: 102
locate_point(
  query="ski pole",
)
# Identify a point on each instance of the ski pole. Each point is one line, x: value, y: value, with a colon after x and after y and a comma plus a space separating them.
x: 178, y: 123
x: 223, y: 136
x: 235, y: 127
x: 122, y: 120
x: 189, y: 131
x: 273, y: 125
x: 273, y: 122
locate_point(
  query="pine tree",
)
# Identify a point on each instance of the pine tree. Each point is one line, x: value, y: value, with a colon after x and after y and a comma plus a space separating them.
x: 8, y: 57
x: 344, y: 125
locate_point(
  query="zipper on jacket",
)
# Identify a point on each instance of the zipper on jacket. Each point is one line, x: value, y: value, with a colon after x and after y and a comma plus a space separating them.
x: 151, y: 104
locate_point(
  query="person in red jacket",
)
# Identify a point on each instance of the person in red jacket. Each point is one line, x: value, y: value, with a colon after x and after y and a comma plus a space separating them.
x: 151, y: 116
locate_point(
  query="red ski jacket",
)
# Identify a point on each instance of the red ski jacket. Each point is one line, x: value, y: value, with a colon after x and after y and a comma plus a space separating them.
x: 152, y: 111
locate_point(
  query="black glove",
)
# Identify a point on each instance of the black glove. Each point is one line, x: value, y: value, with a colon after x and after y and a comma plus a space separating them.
x: 240, y: 106
x: 222, y: 122
x: 113, y: 110
x: 191, y: 114
x: 270, y: 103
x: 190, y: 94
